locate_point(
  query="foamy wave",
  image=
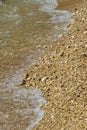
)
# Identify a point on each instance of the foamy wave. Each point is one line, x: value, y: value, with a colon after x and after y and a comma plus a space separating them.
x: 20, y: 108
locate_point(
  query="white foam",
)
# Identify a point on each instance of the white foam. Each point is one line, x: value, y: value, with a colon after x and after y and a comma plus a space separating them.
x: 39, y: 117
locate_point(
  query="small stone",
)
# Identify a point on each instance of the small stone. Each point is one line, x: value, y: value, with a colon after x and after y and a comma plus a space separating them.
x: 75, y: 9
x: 52, y: 116
x: 45, y: 46
x: 44, y: 79
x: 85, y: 55
x: 83, y: 19
x: 85, y: 46
x: 72, y: 36
x: 85, y: 32
x: 85, y: 119
x: 28, y: 79
x: 69, y: 46
x: 26, y: 76
x: 78, y: 29
x: 23, y: 82
x: 62, y: 54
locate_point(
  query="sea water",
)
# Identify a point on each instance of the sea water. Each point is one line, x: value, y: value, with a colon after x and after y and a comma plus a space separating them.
x: 25, y: 25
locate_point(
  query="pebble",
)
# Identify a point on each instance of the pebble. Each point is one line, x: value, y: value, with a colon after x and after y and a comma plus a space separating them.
x: 23, y: 82
x: 85, y: 119
x: 26, y: 76
x: 44, y: 79
x: 78, y: 29
x: 62, y: 54
x: 83, y: 19
x: 72, y: 36
x: 85, y: 32
x: 52, y: 116
x: 45, y: 46
x: 85, y: 55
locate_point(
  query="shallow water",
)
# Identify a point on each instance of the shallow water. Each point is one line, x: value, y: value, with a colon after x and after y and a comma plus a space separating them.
x: 24, y: 25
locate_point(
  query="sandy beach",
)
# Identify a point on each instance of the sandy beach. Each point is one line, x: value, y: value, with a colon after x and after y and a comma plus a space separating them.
x: 61, y: 75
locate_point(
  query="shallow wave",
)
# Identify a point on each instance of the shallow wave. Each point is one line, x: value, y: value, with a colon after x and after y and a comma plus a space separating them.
x: 20, y: 108
x: 9, y: 18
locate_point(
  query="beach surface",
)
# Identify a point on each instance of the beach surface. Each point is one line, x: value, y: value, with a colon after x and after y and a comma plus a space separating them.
x: 61, y: 75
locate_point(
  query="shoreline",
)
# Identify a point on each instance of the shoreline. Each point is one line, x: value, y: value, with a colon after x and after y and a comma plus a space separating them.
x: 62, y: 77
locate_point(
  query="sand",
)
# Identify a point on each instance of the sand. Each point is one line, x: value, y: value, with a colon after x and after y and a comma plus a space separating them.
x: 61, y: 75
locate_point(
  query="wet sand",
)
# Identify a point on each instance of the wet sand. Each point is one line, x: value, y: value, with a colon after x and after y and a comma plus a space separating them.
x: 61, y: 75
